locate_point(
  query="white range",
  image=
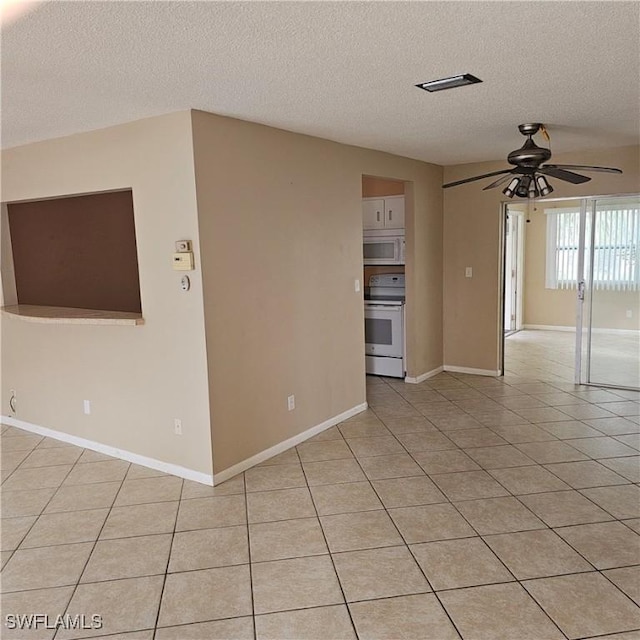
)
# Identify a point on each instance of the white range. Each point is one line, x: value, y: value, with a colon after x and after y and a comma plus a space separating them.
x: 384, y: 325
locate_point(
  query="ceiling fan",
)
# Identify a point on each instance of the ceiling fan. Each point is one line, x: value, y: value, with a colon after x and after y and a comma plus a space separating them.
x: 527, y: 177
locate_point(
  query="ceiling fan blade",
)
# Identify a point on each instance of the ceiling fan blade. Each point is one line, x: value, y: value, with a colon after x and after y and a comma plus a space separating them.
x: 499, y: 181
x: 485, y: 175
x: 580, y: 167
x: 567, y: 176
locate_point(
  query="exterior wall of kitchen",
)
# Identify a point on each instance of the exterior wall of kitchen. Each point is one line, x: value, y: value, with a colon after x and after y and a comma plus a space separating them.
x: 137, y: 378
x: 472, y: 222
x: 281, y: 235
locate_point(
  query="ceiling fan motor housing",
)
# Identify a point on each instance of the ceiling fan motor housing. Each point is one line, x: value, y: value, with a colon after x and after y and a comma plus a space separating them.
x: 529, y: 156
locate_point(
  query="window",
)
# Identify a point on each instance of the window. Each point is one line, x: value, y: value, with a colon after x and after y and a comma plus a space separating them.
x: 616, y: 245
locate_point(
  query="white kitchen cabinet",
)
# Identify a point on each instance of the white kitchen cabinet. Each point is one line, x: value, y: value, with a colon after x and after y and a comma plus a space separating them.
x: 383, y: 213
x: 394, y: 212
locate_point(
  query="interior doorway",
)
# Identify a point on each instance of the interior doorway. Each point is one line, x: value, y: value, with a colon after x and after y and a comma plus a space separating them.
x: 383, y: 249
x: 513, y: 268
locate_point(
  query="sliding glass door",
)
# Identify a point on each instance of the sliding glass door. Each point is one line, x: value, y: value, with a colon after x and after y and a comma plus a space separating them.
x: 593, y: 257
x: 608, y: 331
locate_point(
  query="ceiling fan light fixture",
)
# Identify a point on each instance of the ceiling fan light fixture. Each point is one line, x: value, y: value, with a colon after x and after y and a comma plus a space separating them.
x: 522, y: 190
x: 510, y: 189
x: 543, y: 186
x: 448, y: 83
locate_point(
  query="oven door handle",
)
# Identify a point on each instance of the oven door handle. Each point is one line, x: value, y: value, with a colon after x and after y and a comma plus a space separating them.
x: 386, y: 307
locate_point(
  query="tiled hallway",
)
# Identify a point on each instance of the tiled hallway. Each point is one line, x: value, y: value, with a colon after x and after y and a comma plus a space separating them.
x: 464, y: 506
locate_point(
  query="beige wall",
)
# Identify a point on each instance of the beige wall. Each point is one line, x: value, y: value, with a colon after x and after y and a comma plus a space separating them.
x: 472, y: 227
x: 138, y: 379
x: 377, y: 187
x: 557, y: 307
x: 280, y: 221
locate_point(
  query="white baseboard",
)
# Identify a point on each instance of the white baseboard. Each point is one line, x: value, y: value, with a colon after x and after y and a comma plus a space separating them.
x: 286, y: 444
x: 471, y: 371
x: 144, y: 461
x: 424, y: 376
x: 452, y: 369
x: 616, y: 332
x: 548, y: 327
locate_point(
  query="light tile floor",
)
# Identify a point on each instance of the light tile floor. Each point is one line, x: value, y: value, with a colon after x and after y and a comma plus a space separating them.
x: 614, y: 356
x: 464, y: 506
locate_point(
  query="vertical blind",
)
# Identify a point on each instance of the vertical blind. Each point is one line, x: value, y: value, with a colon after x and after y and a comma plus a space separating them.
x: 616, y: 247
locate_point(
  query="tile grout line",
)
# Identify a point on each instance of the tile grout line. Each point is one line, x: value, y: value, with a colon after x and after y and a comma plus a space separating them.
x: 248, y: 532
x: 95, y: 542
x: 326, y: 542
x: 166, y: 571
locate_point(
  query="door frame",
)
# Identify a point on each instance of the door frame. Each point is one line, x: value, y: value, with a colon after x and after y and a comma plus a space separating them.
x: 502, y: 271
x: 517, y: 251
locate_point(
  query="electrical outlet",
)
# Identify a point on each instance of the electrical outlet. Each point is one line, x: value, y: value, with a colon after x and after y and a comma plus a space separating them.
x: 468, y: 272
x: 629, y: 313
x: 177, y: 426
x: 87, y: 407
x: 291, y: 403
x: 13, y: 402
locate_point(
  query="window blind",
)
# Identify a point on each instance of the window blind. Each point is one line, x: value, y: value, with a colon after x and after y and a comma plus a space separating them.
x: 616, y: 247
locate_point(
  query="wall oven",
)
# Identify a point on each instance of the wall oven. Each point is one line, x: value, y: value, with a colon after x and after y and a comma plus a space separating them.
x: 383, y: 247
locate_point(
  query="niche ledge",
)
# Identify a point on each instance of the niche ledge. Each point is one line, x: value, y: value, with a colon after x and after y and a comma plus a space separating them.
x: 68, y: 315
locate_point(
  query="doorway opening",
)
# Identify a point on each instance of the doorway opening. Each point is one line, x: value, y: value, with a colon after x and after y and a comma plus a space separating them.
x: 513, y: 267
x: 384, y: 249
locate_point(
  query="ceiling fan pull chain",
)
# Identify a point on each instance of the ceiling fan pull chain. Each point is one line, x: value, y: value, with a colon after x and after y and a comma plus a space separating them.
x: 545, y: 134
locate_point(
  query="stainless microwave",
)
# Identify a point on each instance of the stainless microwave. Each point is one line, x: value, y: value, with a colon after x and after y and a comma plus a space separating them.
x: 383, y: 247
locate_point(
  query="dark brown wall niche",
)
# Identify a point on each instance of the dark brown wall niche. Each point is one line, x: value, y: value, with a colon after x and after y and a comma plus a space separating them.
x: 77, y: 252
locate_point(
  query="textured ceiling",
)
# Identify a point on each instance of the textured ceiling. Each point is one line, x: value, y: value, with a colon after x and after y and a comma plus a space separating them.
x: 338, y: 70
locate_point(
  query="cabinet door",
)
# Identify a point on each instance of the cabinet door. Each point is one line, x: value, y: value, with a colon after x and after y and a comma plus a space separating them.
x: 394, y: 213
x: 373, y: 214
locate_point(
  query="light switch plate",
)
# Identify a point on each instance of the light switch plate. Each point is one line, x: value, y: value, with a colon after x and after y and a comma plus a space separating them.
x: 468, y: 272
x: 183, y: 261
